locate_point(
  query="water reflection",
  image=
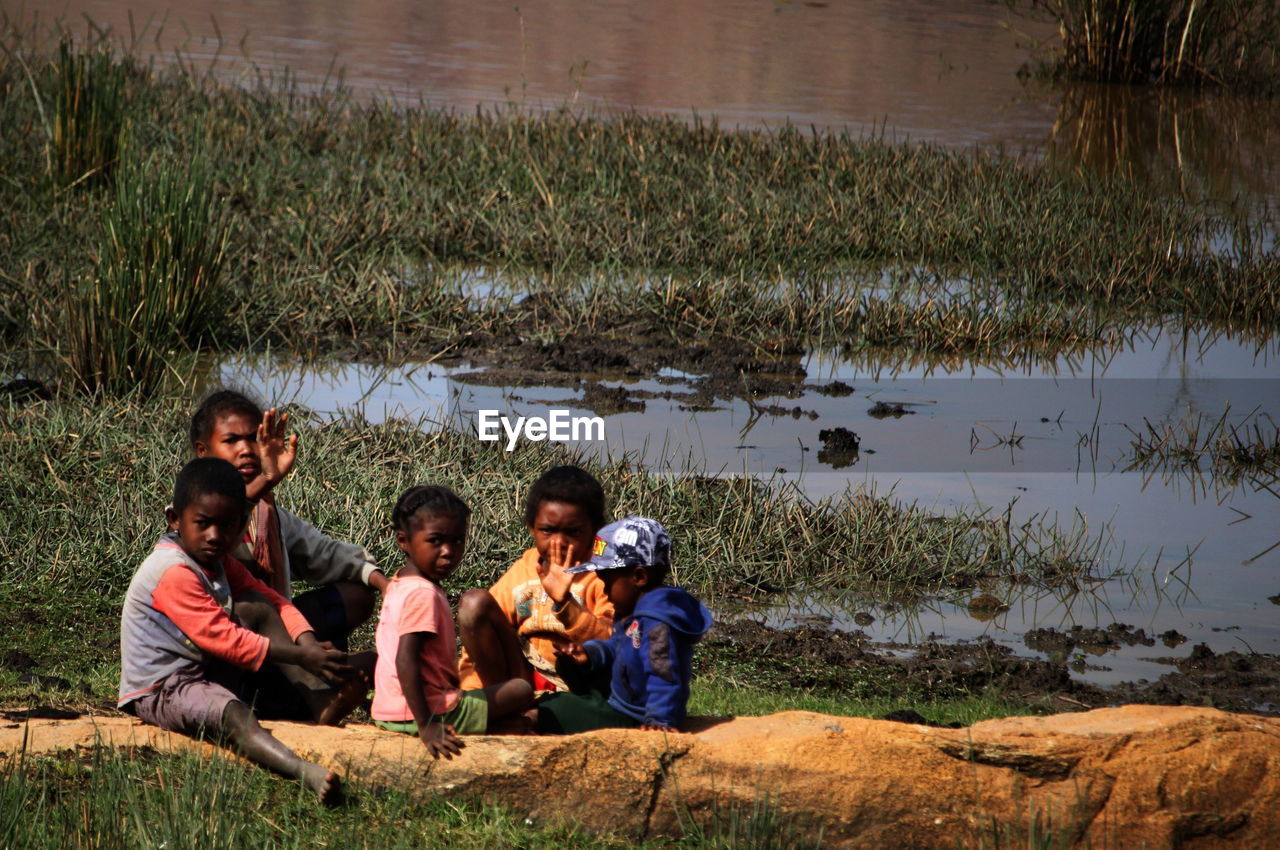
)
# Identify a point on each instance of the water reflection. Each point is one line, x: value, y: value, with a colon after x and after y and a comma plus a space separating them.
x: 1207, y: 145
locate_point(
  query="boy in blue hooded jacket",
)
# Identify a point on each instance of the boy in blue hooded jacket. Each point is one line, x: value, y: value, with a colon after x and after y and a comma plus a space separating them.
x: 648, y: 658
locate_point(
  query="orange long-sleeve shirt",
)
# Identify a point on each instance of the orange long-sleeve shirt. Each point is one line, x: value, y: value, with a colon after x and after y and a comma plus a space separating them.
x: 520, y: 595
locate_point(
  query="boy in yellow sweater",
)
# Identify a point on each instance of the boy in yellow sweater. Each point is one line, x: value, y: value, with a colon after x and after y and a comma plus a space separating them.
x: 510, y: 631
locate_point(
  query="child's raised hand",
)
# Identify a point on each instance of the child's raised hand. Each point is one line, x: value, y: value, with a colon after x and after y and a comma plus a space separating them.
x: 555, y: 581
x: 276, y: 451
x: 441, y: 739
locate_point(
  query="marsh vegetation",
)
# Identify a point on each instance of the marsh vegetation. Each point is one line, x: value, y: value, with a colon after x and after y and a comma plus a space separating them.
x: 336, y: 225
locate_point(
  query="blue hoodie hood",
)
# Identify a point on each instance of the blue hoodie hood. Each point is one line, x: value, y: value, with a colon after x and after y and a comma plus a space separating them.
x: 676, y: 607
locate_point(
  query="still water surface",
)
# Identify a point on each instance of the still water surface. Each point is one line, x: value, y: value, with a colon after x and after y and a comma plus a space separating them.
x: 1184, y: 552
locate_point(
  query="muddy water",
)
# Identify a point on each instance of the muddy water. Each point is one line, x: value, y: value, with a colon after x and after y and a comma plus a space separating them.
x: 1181, y: 553
x: 916, y: 69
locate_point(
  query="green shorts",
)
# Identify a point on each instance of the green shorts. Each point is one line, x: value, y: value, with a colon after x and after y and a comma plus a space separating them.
x: 469, y: 717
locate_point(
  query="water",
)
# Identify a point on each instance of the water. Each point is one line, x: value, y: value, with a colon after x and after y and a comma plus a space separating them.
x: 908, y: 69
x: 1182, y: 552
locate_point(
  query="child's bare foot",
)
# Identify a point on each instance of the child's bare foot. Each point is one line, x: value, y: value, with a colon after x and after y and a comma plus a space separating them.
x: 326, y: 783
x: 351, y: 694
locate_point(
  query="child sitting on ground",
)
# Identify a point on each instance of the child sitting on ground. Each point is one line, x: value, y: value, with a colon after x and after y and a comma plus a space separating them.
x: 416, y: 688
x: 640, y: 676
x: 648, y: 658
x: 510, y: 630
x: 192, y: 616
x: 279, y: 547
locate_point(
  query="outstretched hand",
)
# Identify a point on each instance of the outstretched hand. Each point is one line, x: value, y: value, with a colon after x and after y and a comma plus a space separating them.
x: 555, y: 581
x: 276, y: 450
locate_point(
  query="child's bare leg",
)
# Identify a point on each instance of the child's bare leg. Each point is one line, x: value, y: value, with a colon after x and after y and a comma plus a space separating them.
x: 256, y: 613
x: 259, y: 746
x: 490, y: 639
x: 511, y: 697
x: 353, y: 692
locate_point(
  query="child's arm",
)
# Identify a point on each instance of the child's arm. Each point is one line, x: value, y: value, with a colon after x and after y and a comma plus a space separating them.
x: 319, y: 659
x: 666, y: 695
x: 181, y: 597
x: 321, y: 559
x: 439, y: 738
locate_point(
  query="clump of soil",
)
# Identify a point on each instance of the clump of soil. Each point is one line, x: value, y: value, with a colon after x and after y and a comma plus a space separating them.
x: 719, y: 368
x: 1058, y: 645
x: 880, y: 410
x: 607, y: 400
x: 839, y: 447
x: 1232, y: 681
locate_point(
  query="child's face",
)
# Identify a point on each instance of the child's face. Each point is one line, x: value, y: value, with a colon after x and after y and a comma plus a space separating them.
x: 434, y: 544
x: 623, y: 587
x: 234, y: 438
x: 570, y: 524
x: 209, y: 526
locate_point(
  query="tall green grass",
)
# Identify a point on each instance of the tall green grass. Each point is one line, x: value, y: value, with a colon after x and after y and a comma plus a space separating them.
x: 89, y: 114
x: 155, y: 286
x: 1233, y: 43
x: 107, y: 799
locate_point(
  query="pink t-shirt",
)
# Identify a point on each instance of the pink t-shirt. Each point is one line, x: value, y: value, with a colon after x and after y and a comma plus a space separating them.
x: 414, y: 604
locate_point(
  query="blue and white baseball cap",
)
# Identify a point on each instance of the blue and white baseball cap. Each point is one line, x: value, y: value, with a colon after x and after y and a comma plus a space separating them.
x: 632, y: 542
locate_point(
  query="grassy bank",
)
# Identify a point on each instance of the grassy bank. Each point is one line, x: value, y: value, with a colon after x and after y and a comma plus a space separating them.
x: 352, y: 224
x: 84, y: 485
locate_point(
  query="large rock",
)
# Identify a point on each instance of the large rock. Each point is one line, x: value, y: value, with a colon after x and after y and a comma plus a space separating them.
x: 1136, y: 776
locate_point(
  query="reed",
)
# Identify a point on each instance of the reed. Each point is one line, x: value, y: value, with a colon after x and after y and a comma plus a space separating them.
x: 1246, y: 449
x: 1229, y: 43
x: 155, y: 285
x: 89, y: 114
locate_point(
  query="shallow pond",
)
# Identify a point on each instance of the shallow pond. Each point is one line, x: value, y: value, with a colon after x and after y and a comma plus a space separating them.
x: 1183, y: 552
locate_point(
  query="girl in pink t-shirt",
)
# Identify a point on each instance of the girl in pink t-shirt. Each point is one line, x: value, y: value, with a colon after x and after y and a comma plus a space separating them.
x: 416, y: 681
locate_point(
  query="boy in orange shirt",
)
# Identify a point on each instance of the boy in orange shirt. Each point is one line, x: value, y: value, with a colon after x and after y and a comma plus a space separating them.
x: 511, y: 630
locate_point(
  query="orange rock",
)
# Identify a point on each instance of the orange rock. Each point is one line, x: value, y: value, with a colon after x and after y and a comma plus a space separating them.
x: 1135, y: 776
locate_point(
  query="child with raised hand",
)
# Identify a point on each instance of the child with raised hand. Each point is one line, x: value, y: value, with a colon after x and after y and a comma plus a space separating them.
x: 510, y: 630
x: 278, y: 546
x: 416, y: 689
x: 648, y: 658
x: 192, y: 615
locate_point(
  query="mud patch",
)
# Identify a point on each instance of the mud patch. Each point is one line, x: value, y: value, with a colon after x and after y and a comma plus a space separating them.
x: 714, y: 368
x: 822, y: 660
x: 850, y: 664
